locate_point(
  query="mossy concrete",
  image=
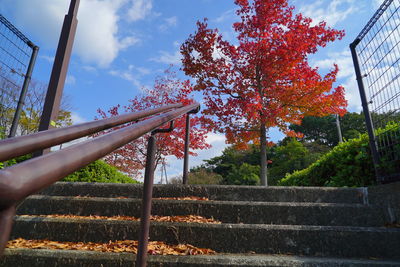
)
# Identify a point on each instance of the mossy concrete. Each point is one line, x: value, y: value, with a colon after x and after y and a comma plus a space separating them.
x: 388, y: 197
x: 70, y: 258
x: 215, y: 192
x: 300, y: 213
x: 324, y: 241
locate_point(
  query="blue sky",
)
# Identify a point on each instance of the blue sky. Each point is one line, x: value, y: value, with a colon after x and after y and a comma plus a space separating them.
x: 122, y: 45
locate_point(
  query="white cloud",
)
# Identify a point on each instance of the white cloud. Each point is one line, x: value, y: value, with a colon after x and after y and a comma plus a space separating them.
x: 169, y: 22
x: 342, y: 59
x: 97, y: 35
x: 132, y: 74
x: 97, y: 39
x: 76, y: 118
x: 139, y: 9
x: 47, y: 58
x: 175, y: 166
x: 336, y: 11
x: 227, y: 15
x: 71, y: 80
x: 346, y: 75
x: 378, y: 3
x: 168, y: 58
x: 352, y: 94
x: 89, y: 68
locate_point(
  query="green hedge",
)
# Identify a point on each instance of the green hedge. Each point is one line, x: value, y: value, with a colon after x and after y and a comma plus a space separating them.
x: 99, y: 172
x: 347, y: 164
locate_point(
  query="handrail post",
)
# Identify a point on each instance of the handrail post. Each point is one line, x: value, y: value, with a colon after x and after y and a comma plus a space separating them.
x: 186, y: 155
x: 187, y: 142
x: 146, y: 202
x: 143, y: 240
x: 6, y: 222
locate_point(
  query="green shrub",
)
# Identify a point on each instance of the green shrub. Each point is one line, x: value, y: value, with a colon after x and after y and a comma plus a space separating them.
x: 15, y: 160
x: 348, y: 164
x: 203, y: 176
x: 99, y: 172
x: 246, y: 174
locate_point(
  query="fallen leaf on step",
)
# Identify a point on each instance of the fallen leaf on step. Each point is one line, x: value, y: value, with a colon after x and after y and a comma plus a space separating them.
x: 154, y: 247
x: 183, y: 218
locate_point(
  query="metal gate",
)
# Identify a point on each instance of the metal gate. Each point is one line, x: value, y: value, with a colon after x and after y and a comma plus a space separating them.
x: 376, y: 57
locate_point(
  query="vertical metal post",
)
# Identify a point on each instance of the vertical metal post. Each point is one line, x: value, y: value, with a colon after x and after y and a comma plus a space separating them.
x: 368, y: 120
x: 339, y: 129
x: 60, y: 68
x: 146, y: 202
x: 24, y: 90
x: 186, y: 155
x: 6, y: 222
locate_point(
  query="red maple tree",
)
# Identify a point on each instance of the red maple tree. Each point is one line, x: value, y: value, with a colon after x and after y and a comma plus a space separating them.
x: 167, y: 90
x: 263, y: 79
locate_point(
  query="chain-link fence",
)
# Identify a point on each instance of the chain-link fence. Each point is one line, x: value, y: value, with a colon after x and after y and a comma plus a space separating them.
x: 376, y: 55
x: 17, y: 57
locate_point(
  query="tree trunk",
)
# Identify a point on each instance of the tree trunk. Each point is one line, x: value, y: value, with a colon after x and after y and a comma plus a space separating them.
x: 263, y: 156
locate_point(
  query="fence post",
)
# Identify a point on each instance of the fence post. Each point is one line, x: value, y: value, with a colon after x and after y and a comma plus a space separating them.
x: 60, y: 68
x: 368, y: 120
x: 27, y: 79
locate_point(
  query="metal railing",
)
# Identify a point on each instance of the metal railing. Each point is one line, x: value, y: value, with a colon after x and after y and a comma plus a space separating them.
x: 26, y: 178
x: 376, y: 57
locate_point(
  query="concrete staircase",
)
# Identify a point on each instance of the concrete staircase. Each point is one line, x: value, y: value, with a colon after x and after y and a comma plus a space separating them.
x: 274, y: 226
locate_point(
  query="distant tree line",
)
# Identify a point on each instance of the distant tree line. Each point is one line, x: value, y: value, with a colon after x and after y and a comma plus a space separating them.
x: 241, y: 167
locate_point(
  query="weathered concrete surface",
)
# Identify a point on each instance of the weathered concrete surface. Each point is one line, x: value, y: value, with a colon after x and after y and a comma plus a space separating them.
x: 217, y: 192
x: 299, y: 213
x: 70, y: 258
x: 321, y: 241
x: 387, y: 196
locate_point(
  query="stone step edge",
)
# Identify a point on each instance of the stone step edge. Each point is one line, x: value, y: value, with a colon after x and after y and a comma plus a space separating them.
x: 290, y: 227
x: 75, y: 258
x: 206, y: 202
x: 327, y: 241
x: 226, y: 192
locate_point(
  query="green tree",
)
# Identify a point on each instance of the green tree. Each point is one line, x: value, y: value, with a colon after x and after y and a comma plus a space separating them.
x: 245, y: 174
x: 32, y: 109
x: 201, y: 175
x: 237, y: 166
x: 290, y: 155
x: 323, y: 130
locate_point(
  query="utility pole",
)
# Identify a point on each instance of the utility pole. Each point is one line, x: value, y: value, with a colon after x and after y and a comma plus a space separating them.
x: 339, y: 129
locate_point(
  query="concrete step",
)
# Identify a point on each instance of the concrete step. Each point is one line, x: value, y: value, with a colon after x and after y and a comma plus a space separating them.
x: 322, y: 241
x: 214, y: 192
x: 300, y: 213
x: 71, y: 258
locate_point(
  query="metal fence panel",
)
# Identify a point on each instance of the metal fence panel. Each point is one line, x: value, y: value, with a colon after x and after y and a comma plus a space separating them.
x: 376, y: 54
x: 16, y: 53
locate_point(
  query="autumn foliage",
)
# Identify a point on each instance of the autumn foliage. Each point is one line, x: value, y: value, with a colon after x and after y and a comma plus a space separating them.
x: 167, y: 90
x: 263, y: 79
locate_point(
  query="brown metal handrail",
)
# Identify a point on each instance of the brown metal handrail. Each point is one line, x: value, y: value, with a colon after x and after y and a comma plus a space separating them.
x: 22, y: 145
x: 26, y: 178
